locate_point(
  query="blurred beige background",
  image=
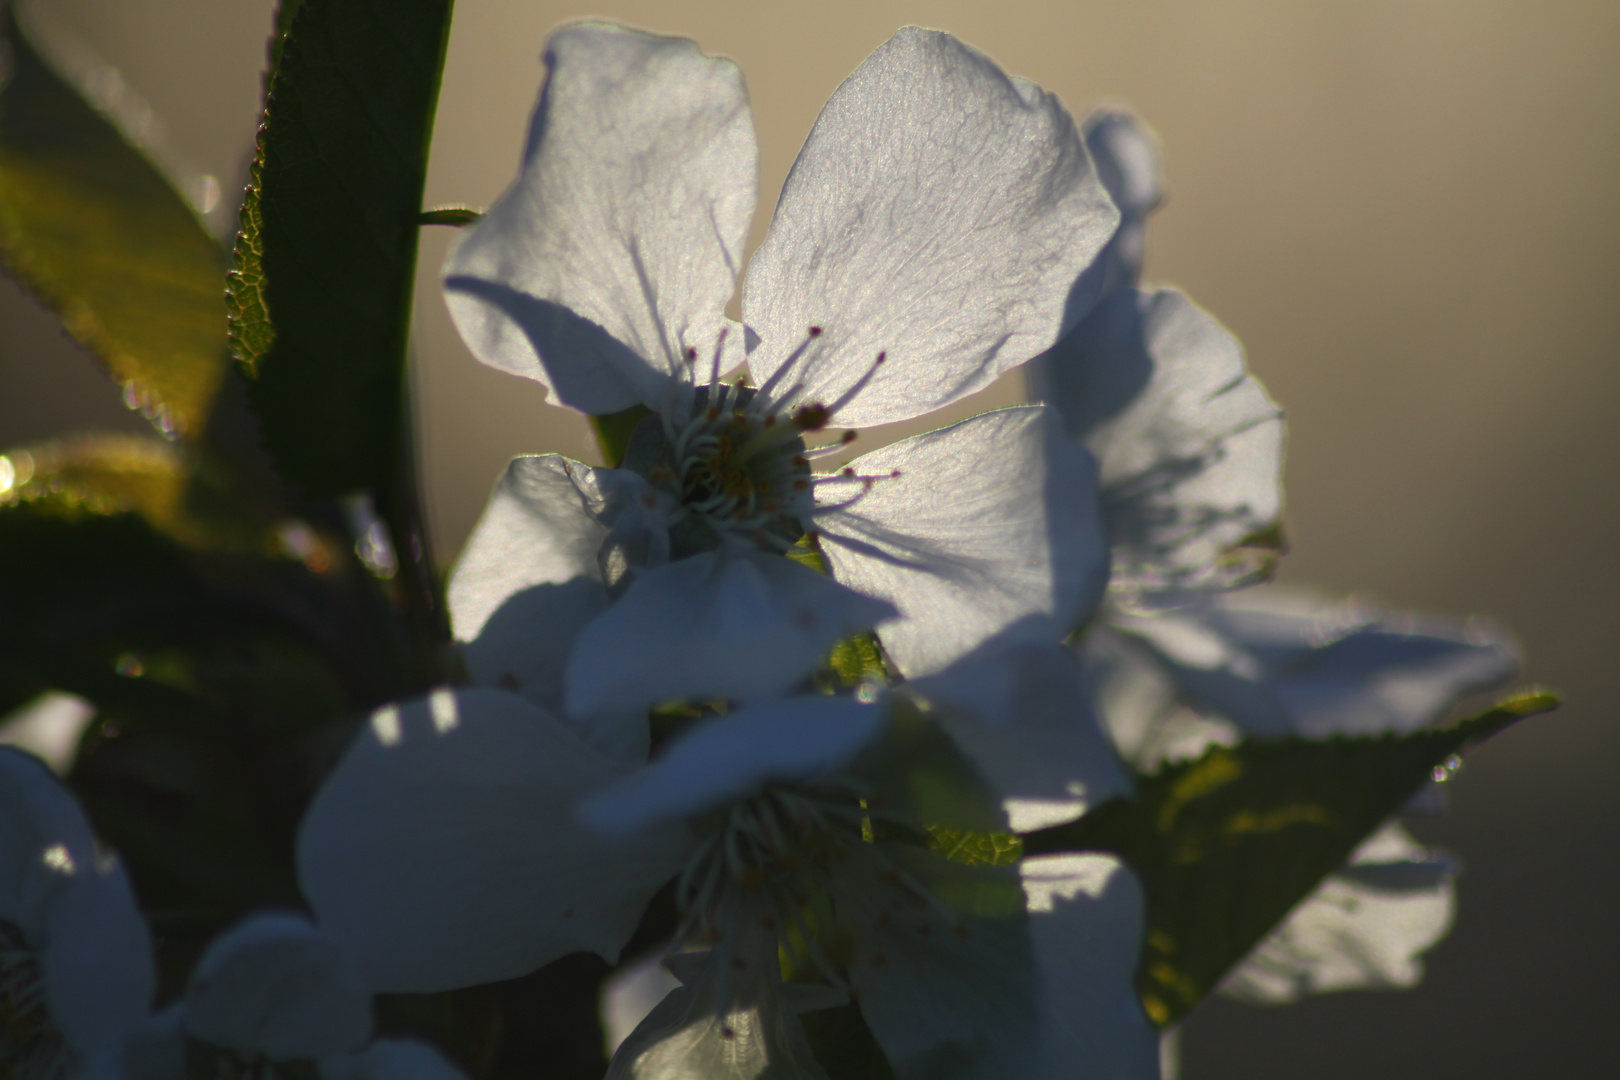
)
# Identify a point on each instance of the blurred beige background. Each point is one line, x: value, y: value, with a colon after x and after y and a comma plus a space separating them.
x: 1406, y: 210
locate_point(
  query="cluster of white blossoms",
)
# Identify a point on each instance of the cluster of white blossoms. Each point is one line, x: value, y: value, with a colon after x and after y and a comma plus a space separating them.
x: 1057, y: 594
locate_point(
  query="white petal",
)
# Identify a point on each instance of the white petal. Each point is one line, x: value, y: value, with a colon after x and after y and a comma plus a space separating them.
x: 1024, y: 715
x: 1142, y: 706
x: 49, y: 727
x: 940, y: 213
x: 1363, y: 928
x: 1279, y: 661
x: 1129, y: 160
x: 531, y: 576
x: 686, y: 1037
x: 728, y: 757
x: 1086, y: 915
x: 630, y: 995
x: 443, y: 852
x: 991, y: 522
x: 618, y: 246
x: 946, y: 993
x: 392, y: 1059
x: 736, y: 623
x: 73, y: 905
x: 274, y: 985
x: 1188, y: 445
x: 1130, y: 163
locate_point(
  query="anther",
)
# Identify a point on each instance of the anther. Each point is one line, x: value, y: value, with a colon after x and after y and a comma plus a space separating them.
x: 811, y: 417
x: 815, y: 331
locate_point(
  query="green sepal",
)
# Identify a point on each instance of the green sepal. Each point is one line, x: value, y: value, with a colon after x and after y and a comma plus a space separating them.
x: 455, y: 216
x: 976, y: 848
x: 1227, y: 845
x: 320, y: 294
x: 613, y: 432
x: 92, y: 228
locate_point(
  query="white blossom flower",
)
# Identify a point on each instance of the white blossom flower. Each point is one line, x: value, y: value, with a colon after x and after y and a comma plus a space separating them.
x: 273, y: 997
x: 76, y: 975
x: 931, y: 236
x: 1189, y: 449
x: 1188, y: 444
x: 447, y: 850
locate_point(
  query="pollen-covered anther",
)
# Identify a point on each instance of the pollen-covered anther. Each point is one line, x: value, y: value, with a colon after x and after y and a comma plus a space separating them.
x: 811, y: 417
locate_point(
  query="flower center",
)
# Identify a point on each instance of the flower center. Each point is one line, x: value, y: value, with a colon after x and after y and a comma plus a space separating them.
x: 733, y: 461
x: 30, y: 1046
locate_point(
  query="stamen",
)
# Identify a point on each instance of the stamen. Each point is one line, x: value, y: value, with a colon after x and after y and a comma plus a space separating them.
x: 788, y: 365
x: 860, y: 384
x: 812, y: 417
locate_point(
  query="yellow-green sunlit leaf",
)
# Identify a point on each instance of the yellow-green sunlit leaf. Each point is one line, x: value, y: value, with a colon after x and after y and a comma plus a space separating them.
x: 198, y: 506
x: 92, y: 228
x: 976, y: 848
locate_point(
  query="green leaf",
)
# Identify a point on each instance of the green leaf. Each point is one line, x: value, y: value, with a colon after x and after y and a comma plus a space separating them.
x: 120, y: 545
x: 976, y: 848
x: 180, y: 493
x: 325, y: 257
x: 94, y: 230
x: 844, y: 1045
x: 1227, y: 845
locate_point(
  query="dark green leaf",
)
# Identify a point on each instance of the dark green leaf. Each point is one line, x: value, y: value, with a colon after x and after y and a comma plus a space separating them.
x: 1228, y: 844
x: 325, y: 258
x: 286, y: 11
x: 97, y: 233
x: 126, y: 546
x: 844, y: 1045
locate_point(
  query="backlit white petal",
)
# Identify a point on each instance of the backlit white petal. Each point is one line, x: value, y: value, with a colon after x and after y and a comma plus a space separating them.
x: 940, y: 212
x: 1188, y: 445
x: 687, y: 1037
x: 1286, y: 661
x: 274, y: 985
x: 443, y: 850
x: 736, y: 623
x: 531, y: 576
x: 75, y: 907
x: 1023, y: 714
x: 49, y: 727
x: 619, y: 244
x: 991, y: 522
x: 728, y: 757
x: 1364, y: 928
x: 1086, y: 915
x: 1129, y: 161
x: 947, y: 990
